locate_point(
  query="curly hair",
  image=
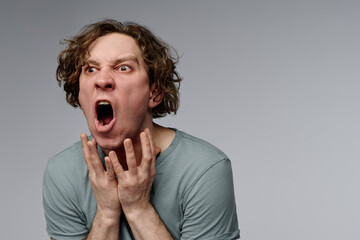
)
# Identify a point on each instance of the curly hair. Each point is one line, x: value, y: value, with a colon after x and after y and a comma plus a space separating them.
x: 157, y: 55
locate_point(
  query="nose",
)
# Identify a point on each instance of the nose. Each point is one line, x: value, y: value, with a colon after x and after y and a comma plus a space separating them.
x: 105, y: 80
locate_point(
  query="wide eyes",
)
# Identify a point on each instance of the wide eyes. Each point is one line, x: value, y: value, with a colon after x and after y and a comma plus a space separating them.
x: 90, y: 69
x: 123, y: 68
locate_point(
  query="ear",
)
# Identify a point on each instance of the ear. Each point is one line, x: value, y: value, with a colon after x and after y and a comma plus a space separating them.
x: 155, y: 96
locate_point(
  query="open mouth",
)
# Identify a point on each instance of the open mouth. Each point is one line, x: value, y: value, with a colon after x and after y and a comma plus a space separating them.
x: 104, y: 112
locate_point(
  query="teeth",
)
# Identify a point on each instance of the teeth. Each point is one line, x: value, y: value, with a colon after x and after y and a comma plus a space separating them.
x: 103, y: 103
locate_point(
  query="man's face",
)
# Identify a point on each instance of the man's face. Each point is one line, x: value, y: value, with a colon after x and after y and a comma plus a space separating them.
x: 114, y: 90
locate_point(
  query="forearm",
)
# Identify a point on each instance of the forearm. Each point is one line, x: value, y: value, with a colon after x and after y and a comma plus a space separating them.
x: 146, y: 224
x: 104, y: 228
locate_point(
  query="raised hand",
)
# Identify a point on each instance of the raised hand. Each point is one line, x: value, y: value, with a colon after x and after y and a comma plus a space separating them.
x: 134, y: 185
x: 103, y: 182
x: 129, y: 193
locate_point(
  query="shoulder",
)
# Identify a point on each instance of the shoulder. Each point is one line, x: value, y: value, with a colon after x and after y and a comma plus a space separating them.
x: 201, y: 156
x: 200, y: 150
x: 70, y: 159
x: 202, y: 175
x: 65, y: 187
x: 67, y: 168
x: 189, y: 159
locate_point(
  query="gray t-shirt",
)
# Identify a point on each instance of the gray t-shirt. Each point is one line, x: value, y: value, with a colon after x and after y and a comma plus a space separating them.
x: 193, y: 193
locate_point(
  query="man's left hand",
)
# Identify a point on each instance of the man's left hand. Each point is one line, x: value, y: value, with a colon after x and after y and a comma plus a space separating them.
x: 134, y: 184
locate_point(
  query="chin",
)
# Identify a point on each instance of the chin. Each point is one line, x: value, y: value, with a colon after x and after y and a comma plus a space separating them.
x: 108, y: 143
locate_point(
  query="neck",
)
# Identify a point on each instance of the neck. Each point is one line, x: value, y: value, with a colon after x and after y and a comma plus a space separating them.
x: 120, y: 153
x: 161, y: 136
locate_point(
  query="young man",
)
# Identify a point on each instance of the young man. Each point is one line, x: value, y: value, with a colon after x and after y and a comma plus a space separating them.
x: 132, y: 179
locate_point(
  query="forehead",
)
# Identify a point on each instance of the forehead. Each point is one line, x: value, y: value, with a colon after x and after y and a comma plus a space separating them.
x: 114, y: 45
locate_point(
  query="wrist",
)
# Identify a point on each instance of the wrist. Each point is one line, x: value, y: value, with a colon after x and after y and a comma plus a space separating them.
x: 108, y: 218
x: 134, y: 213
x: 145, y: 223
x: 104, y: 227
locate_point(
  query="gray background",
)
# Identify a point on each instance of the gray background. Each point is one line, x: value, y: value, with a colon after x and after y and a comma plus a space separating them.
x: 274, y: 84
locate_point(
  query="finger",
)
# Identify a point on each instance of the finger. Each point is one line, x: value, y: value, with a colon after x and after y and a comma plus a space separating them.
x: 147, y: 156
x: 109, y: 169
x: 86, y: 151
x: 130, y: 155
x: 94, y: 159
x: 84, y: 140
x: 116, y: 164
x: 155, y: 150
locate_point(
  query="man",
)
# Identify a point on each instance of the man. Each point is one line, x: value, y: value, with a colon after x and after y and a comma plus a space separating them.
x: 132, y: 179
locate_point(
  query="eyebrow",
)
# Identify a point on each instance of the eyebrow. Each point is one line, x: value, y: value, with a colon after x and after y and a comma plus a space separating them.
x: 116, y: 62
x: 124, y: 59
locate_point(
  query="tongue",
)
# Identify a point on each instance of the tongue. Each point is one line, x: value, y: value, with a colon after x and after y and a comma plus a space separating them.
x: 107, y: 120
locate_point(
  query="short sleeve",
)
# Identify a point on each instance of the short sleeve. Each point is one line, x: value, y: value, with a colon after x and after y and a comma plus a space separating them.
x: 64, y: 220
x: 210, y: 209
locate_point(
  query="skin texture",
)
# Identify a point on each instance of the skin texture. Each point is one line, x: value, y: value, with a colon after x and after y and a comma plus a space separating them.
x: 116, y: 72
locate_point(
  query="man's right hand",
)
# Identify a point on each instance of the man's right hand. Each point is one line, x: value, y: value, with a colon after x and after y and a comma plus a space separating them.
x: 103, y: 183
